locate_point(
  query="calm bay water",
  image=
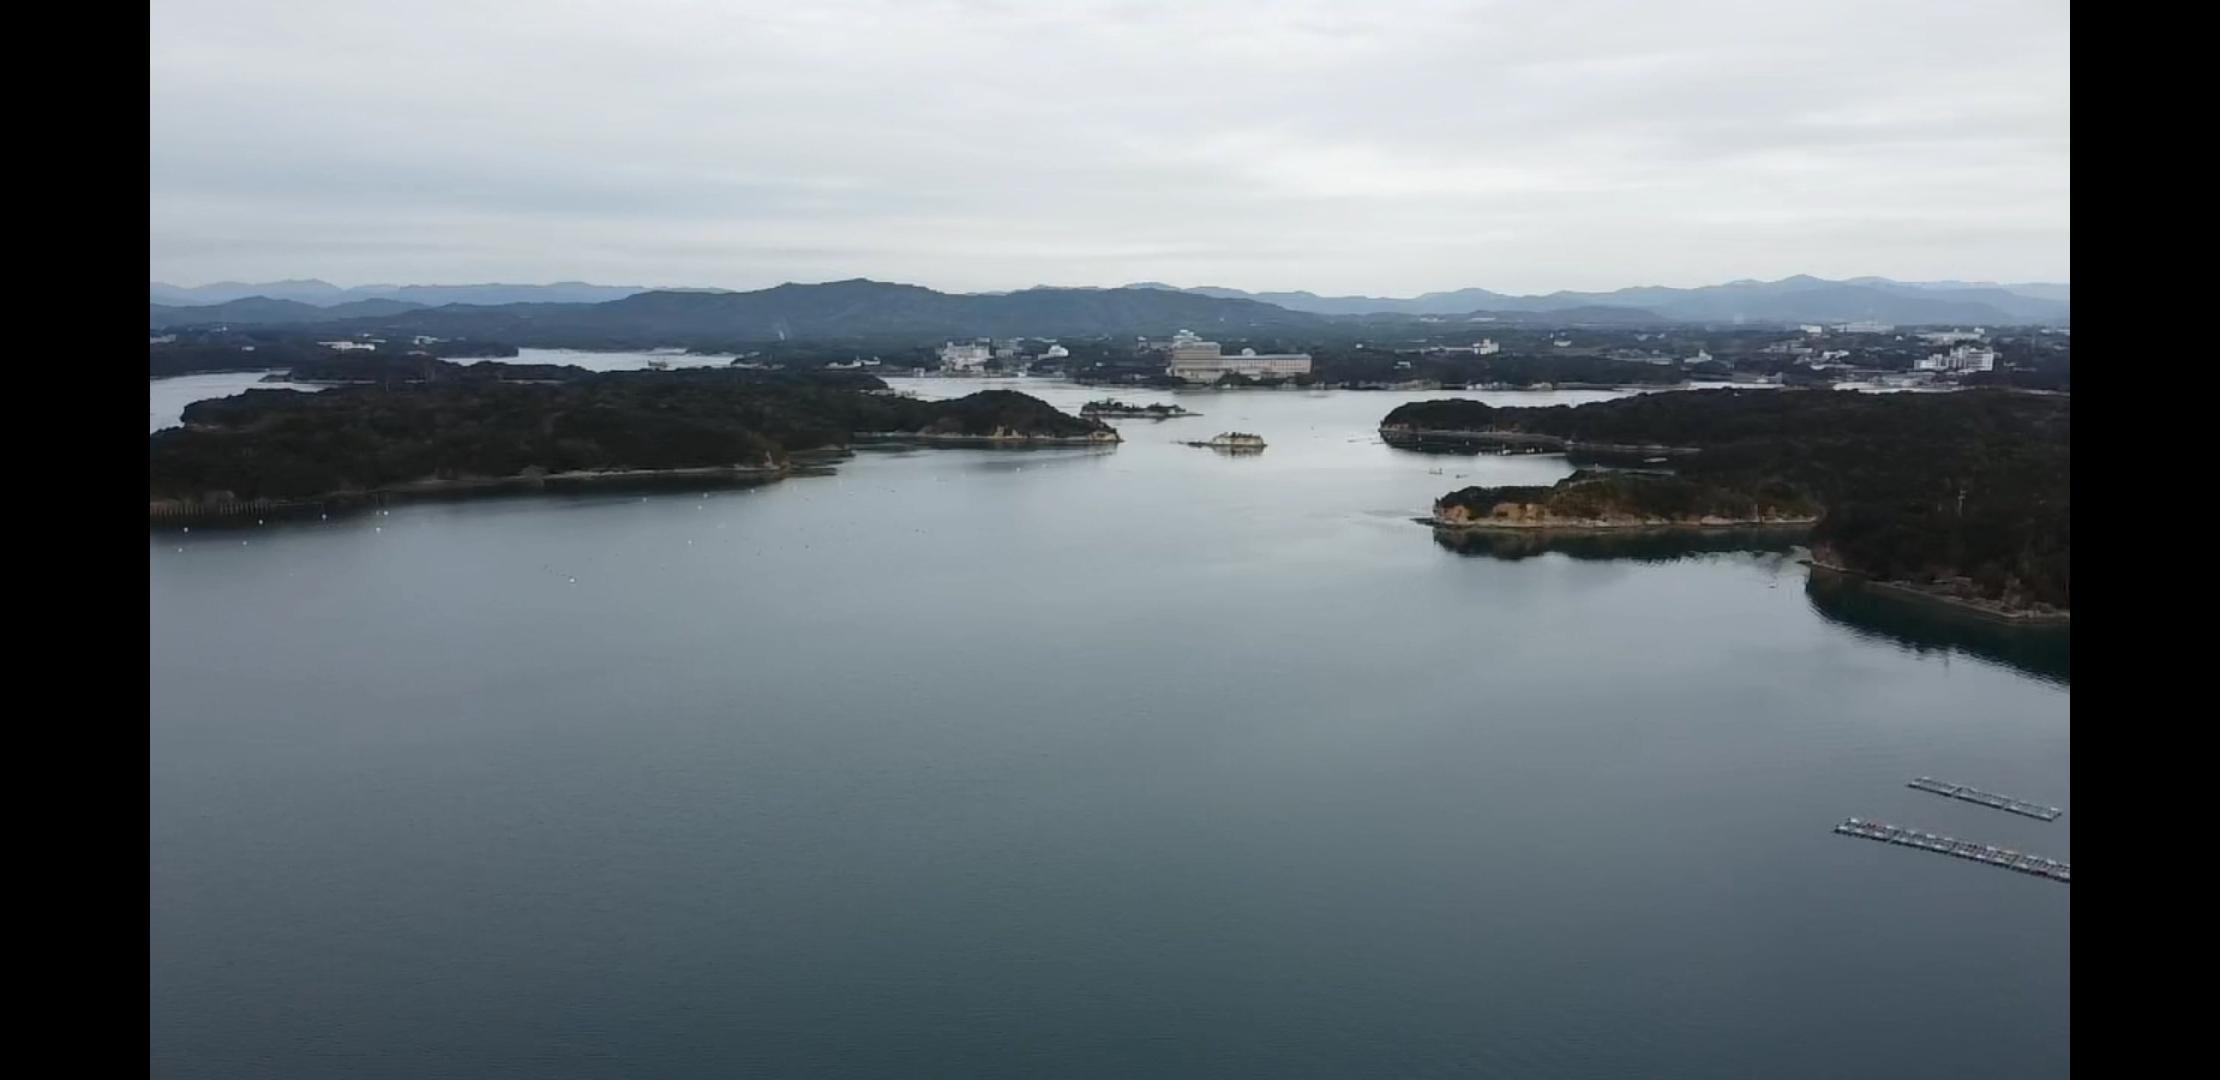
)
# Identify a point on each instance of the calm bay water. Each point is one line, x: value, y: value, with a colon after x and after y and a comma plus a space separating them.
x: 1070, y: 763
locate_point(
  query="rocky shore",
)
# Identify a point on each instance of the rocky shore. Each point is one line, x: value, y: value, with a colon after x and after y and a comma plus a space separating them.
x: 1953, y: 596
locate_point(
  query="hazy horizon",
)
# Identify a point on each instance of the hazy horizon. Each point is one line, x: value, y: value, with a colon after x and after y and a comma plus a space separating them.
x: 1521, y: 146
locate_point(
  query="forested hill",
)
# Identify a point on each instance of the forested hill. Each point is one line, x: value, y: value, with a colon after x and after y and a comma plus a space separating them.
x: 1969, y: 491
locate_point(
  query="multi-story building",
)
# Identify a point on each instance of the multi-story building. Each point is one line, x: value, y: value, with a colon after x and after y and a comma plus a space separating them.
x: 967, y: 357
x: 1961, y: 358
x: 1186, y: 345
x: 1196, y: 360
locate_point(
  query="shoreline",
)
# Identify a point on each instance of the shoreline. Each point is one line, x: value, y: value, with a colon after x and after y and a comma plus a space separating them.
x: 586, y: 478
x: 166, y: 512
x: 1580, y: 526
x: 814, y: 461
x: 1396, y: 436
x: 279, y: 370
x: 1100, y: 438
x: 1986, y: 610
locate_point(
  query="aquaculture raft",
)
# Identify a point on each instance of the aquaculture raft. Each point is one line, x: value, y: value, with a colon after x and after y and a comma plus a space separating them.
x: 1989, y: 799
x: 1964, y: 849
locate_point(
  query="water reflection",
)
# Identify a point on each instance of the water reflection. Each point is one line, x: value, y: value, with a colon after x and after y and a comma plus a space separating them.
x: 2045, y: 652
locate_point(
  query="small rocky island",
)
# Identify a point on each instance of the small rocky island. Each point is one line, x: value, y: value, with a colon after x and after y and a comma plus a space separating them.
x: 1963, y: 498
x: 282, y: 450
x: 1232, y: 440
x: 1153, y: 411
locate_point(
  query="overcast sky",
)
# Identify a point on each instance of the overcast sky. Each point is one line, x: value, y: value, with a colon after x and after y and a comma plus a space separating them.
x: 1383, y: 147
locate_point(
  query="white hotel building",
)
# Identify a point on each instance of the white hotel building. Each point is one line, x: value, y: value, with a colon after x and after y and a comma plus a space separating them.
x: 1196, y: 360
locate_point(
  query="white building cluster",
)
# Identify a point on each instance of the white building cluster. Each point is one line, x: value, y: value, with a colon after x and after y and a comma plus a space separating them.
x: 1952, y: 337
x: 1961, y: 358
x: 1196, y: 360
x: 969, y: 356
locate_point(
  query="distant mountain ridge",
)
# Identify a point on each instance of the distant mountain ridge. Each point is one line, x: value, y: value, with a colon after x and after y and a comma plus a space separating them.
x: 857, y: 308
x: 863, y: 308
x: 325, y: 294
x: 1458, y: 302
x: 2039, y: 290
x: 266, y: 311
x: 1794, y: 299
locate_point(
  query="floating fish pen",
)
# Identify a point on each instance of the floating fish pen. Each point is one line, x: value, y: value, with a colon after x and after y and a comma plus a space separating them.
x: 1963, y: 849
x: 172, y: 513
x: 1989, y: 799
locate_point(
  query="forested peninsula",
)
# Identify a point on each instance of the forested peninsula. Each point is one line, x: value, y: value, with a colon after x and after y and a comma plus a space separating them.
x: 1964, y: 497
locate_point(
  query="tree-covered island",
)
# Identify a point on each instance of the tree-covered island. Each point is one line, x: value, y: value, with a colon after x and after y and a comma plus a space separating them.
x: 1151, y: 411
x: 466, y: 434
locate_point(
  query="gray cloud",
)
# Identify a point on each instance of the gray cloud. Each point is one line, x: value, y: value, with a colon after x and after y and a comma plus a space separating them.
x: 1522, y: 145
